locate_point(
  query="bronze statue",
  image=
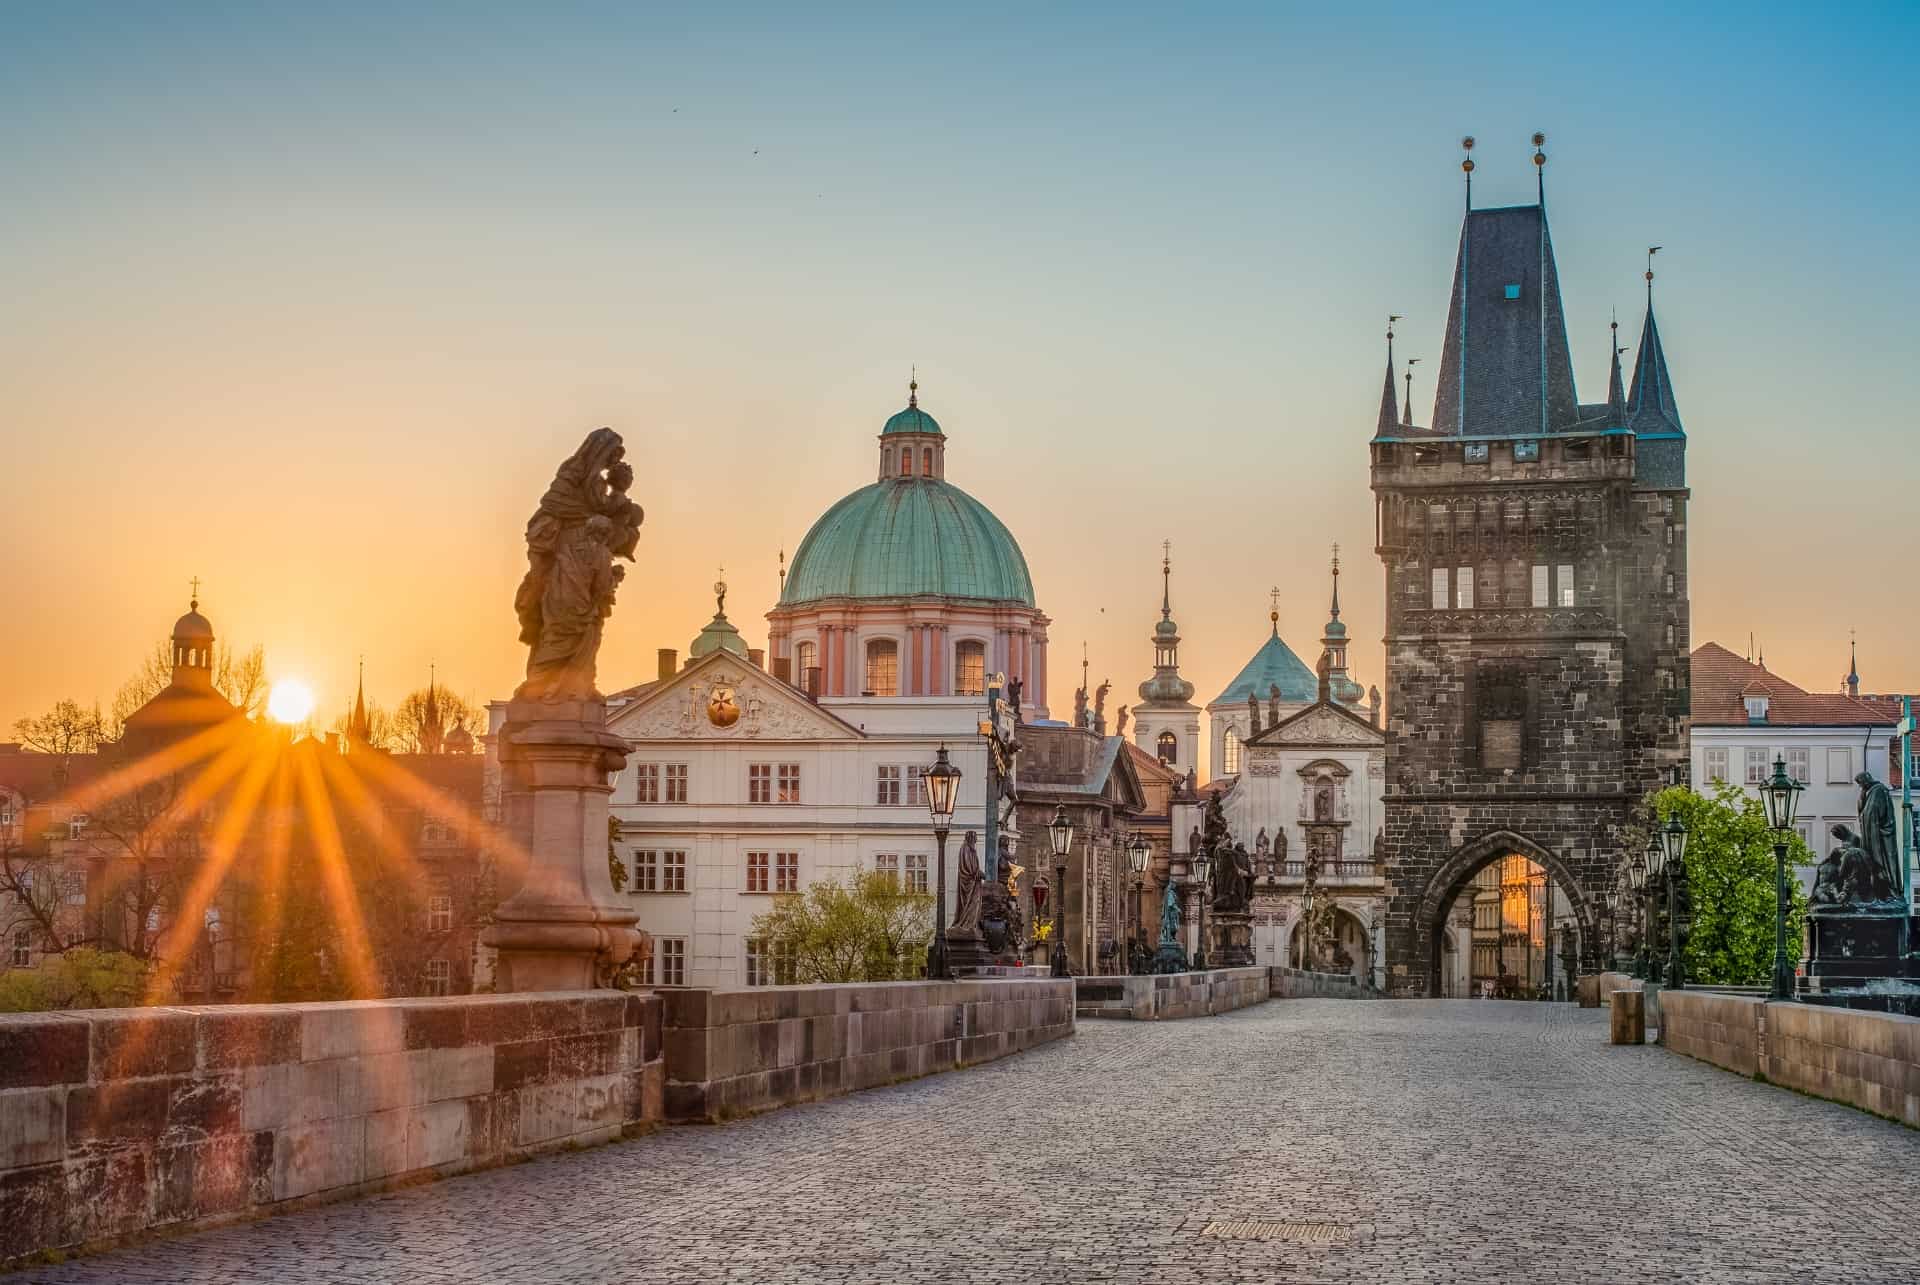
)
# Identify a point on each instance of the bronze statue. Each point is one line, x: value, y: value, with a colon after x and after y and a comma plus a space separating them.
x: 1170, y: 916
x: 1850, y: 877
x: 1213, y: 835
x: 1878, y: 834
x: 966, y: 906
x: 584, y: 520
x: 1232, y: 879
x: 1014, y: 688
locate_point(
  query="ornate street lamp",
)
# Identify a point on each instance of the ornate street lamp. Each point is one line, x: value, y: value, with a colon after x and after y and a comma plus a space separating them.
x: 1197, y: 863
x: 1060, y: 835
x: 1673, y: 843
x: 1636, y: 884
x: 1782, y: 795
x: 943, y: 787
x: 1137, y: 851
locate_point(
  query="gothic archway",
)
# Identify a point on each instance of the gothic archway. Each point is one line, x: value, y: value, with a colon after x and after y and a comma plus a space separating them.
x: 1457, y: 871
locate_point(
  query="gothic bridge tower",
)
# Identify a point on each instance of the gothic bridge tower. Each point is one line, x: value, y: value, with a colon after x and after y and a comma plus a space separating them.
x: 1537, y: 621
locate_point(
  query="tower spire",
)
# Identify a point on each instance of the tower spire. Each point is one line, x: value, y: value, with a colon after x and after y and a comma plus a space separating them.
x: 1389, y: 412
x: 1650, y: 403
x: 1853, y: 664
x: 1166, y: 580
x: 1616, y: 396
x: 1411, y: 363
x: 913, y: 386
x: 1336, y: 580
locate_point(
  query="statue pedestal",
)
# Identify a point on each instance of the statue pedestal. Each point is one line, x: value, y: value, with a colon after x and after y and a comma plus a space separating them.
x: 564, y: 928
x: 1851, y: 947
x: 1170, y: 958
x: 1231, y: 944
x: 968, y: 952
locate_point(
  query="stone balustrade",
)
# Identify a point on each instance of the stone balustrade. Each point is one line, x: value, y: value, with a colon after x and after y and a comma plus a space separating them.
x: 1865, y: 1059
x: 118, y: 1121
x: 737, y: 1052
x: 1299, y: 983
x: 1168, y: 997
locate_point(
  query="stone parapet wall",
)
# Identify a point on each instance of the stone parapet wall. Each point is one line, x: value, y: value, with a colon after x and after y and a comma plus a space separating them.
x: 735, y: 1052
x: 1865, y: 1059
x: 1298, y: 983
x: 1170, y: 996
x: 119, y: 1121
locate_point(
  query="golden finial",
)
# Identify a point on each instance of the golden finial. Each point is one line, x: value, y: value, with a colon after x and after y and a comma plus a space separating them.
x: 913, y: 386
x: 720, y: 593
x: 193, y: 602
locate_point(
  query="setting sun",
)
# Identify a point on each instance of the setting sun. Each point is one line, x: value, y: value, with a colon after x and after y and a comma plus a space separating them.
x: 290, y: 701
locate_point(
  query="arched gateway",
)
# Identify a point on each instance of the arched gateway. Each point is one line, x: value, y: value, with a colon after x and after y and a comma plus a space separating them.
x: 1582, y: 884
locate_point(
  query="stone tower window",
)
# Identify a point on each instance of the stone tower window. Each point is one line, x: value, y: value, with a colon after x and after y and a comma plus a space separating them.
x: 1168, y: 748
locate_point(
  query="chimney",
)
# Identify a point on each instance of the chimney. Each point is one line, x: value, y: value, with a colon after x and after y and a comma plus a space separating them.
x: 757, y: 657
x: 669, y: 663
x: 783, y: 668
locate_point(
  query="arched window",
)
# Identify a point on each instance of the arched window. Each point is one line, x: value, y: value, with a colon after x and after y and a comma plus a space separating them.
x: 806, y: 657
x: 926, y: 461
x: 970, y: 669
x: 883, y: 668
x: 1230, y: 754
x: 906, y: 461
x: 1168, y: 748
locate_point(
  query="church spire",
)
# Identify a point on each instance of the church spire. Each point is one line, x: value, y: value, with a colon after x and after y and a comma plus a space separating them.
x: 1389, y: 412
x: 1166, y: 687
x: 1853, y: 665
x: 1616, y: 397
x: 359, y: 730
x: 1650, y: 404
x: 1337, y: 685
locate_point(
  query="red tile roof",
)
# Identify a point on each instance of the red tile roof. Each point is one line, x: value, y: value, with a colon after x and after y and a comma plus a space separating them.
x: 1721, y: 679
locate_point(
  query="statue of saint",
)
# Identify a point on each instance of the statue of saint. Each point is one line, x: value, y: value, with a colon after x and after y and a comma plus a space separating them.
x: 1879, y: 837
x: 1120, y: 726
x: 1273, y: 704
x: 1100, y: 699
x: 1253, y: 715
x: 1232, y: 879
x: 1213, y: 834
x: 1170, y: 916
x: 966, y: 906
x: 1079, y: 707
x: 1850, y: 877
x: 584, y: 520
x: 1014, y: 688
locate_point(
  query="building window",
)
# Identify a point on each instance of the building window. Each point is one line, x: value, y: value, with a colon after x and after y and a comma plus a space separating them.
x: 1564, y: 582
x: 1167, y: 748
x: 926, y: 460
x: 883, y: 668
x: 1230, y: 753
x: 886, y: 786
x: 1758, y: 769
x: 1799, y: 764
x: 676, y: 782
x: 435, y: 829
x: 757, y: 970
x: 786, y: 872
x: 77, y: 825
x: 769, y: 963
x: 646, y: 783
x: 1439, y: 588
x: 786, y: 783
x: 759, y: 782
x: 673, y: 961
x: 1524, y: 451
x: 646, y: 870
x: 757, y: 864
x: 1463, y: 587
x: 1541, y: 591
x: 22, y: 947
x: 970, y: 669
x: 806, y: 659
x: 1717, y: 763
x: 916, y: 871
x: 440, y: 915
x: 673, y: 870
x: 887, y: 865
x: 439, y: 978
x: 1839, y: 765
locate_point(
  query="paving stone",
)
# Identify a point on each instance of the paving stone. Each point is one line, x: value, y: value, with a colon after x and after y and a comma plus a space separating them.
x: 1452, y: 1141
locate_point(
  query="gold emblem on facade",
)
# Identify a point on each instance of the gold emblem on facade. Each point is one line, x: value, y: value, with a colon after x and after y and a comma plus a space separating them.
x: 723, y: 707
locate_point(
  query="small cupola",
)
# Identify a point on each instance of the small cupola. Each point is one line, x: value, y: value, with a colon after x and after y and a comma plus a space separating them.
x: 193, y: 647
x: 911, y: 443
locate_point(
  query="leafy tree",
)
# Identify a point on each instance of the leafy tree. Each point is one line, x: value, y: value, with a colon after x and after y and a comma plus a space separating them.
x: 616, y: 868
x: 80, y: 978
x: 1729, y: 884
x: 869, y: 930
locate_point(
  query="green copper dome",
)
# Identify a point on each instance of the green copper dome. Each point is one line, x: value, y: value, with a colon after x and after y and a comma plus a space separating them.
x: 911, y: 420
x: 908, y: 536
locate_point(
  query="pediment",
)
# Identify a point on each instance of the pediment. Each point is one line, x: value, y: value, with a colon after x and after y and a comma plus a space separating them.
x: 723, y: 698
x: 1321, y: 724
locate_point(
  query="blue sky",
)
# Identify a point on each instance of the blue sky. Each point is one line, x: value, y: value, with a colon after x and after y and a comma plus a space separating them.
x: 306, y: 299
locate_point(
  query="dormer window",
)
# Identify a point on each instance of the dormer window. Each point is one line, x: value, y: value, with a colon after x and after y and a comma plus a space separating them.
x: 1757, y: 708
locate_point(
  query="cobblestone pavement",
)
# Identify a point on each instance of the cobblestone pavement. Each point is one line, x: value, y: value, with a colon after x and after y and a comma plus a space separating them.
x: 1451, y: 1140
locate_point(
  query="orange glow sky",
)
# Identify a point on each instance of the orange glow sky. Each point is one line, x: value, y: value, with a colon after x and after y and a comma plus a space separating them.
x: 310, y: 305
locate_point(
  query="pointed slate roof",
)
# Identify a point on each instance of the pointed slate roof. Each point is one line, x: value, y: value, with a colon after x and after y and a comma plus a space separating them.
x: 1616, y: 399
x: 1274, y: 664
x: 1389, y: 406
x: 1650, y: 406
x: 1505, y: 369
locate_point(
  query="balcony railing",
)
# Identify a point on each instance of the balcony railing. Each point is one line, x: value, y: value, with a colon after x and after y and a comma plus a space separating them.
x: 1330, y: 871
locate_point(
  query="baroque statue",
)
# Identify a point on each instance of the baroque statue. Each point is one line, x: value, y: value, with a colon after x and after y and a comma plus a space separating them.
x: 1878, y: 833
x: 1851, y: 879
x: 584, y: 521
x: 1232, y: 878
x: 1170, y: 916
x: 966, y: 906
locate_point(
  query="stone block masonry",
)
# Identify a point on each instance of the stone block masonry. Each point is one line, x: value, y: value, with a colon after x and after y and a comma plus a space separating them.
x: 1298, y: 983
x: 1865, y: 1059
x: 738, y: 1052
x: 1171, y: 996
x: 119, y: 1121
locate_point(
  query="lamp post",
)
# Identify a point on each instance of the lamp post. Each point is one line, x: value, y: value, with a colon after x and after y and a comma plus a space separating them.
x: 1137, y: 862
x: 1636, y: 885
x: 1060, y: 835
x: 1673, y: 841
x: 943, y: 786
x: 1197, y: 863
x: 1656, y: 881
x: 1782, y: 795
